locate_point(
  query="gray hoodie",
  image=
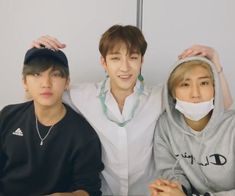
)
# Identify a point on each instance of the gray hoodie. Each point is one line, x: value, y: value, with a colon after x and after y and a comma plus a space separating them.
x: 205, y: 159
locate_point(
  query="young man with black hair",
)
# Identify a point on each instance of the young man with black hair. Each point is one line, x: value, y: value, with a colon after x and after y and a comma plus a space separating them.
x: 45, y: 147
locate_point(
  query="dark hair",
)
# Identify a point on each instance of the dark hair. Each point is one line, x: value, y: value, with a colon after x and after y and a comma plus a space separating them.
x: 40, y: 64
x: 130, y: 35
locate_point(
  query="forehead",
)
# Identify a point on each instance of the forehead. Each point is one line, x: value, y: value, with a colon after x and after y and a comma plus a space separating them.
x: 122, y: 47
x: 197, y: 72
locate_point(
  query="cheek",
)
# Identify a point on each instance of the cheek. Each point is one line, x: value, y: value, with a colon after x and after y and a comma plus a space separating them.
x: 136, y: 67
x: 60, y: 86
x: 181, y: 94
x: 209, y: 93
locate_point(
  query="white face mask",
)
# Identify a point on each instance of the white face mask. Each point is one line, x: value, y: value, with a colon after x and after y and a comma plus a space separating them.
x: 194, y: 111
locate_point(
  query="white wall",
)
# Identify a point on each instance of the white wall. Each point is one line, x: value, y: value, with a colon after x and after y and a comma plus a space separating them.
x: 169, y: 27
x: 78, y: 23
x: 172, y: 26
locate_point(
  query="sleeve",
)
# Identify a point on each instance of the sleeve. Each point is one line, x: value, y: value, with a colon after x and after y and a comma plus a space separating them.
x: 223, y: 193
x: 167, y: 166
x: 87, y: 168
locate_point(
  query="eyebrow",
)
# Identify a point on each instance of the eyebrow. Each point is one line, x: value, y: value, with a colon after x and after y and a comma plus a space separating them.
x: 131, y: 53
x: 112, y: 53
x: 200, y: 78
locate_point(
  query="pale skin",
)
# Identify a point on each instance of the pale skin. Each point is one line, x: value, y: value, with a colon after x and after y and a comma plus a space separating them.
x: 123, y: 69
x: 121, y: 91
x: 162, y: 187
x: 196, y: 87
x: 201, y: 50
x: 46, y: 89
x: 212, y: 55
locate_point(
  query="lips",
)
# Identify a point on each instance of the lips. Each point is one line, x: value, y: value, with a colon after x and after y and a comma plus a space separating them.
x: 124, y: 76
x: 46, y: 94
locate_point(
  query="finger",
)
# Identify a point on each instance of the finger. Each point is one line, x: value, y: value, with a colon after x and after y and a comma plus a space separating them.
x: 153, y: 192
x: 54, y: 42
x: 50, y: 42
x: 175, y: 184
x: 165, y: 182
x: 185, y: 53
x: 35, y: 44
x: 164, y: 188
x: 153, y: 188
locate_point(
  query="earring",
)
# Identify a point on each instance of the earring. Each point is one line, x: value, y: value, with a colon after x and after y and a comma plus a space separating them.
x: 141, y: 78
x: 106, y: 74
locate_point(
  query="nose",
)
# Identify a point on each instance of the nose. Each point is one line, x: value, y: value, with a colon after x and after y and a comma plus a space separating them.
x: 125, y: 64
x: 46, y: 81
x: 195, y: 91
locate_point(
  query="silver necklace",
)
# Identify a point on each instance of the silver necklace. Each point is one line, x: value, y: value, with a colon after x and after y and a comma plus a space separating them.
x: 48, y: 132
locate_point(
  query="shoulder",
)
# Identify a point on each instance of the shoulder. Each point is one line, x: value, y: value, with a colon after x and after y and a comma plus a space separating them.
x: 162, y: 120
x: 84, y: 87
x: 15, y: 109
x: 153, y: 89
x: 83, y: 92
x: 228, y: 115
x: 79, y: 125
x: 153, y: 93
x: 162, y: 125
x: 15, y: 114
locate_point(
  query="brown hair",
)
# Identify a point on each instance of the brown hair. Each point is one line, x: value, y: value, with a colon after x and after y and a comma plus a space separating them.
x: 131, y: 36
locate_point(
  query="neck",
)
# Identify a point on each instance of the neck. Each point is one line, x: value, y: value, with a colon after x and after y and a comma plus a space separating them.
x: 120, y: 96
x: 50, y: 115
x: 198, y: 125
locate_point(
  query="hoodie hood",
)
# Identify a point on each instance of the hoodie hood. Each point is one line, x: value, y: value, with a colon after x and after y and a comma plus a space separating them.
x: 175, y: 117
x: 206, y: 158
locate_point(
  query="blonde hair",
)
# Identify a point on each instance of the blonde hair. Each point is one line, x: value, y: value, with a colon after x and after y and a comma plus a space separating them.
x: 178, y: 74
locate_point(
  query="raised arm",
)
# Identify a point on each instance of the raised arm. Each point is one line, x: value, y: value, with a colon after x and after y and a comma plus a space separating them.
x: 212, y: 55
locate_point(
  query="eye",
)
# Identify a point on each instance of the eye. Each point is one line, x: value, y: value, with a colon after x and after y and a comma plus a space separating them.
x: 36, y: 74
x: 115, y: 58
x: 56, y: 74
x: 184, y: 84
x: 205, y: 83
x: 134, y: 57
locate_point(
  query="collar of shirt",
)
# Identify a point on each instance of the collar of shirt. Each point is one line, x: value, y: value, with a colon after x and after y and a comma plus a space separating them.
x: 107, y: 87
x: 130, y: 101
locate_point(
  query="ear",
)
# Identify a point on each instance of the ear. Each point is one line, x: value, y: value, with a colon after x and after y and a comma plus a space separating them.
x: 25, y: 85
x: 142, y: 60
x: 103, y: 63
x: 67, y: 84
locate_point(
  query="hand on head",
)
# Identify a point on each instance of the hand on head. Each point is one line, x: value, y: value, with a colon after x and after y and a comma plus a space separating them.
x: 48, y: 42
x: 205, y: 51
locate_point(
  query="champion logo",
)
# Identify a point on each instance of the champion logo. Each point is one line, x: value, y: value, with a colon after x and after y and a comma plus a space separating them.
x: 18, y: 132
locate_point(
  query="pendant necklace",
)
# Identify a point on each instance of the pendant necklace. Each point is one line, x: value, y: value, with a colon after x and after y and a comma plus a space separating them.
x: 48, y: 132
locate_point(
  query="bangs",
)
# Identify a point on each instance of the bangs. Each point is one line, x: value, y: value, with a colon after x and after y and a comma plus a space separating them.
x: 38, y: 65
x: 115, y: 45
